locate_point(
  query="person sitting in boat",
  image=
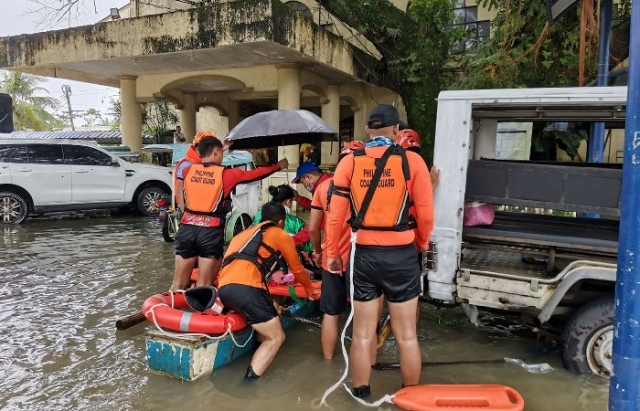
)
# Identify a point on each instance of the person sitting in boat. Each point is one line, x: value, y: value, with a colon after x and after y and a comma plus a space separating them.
x: 293, y: 225
x: 207, y: 189
x: 250, y: 258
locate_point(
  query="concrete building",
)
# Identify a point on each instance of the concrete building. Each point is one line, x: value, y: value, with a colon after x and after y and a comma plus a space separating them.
x: 231, y: 60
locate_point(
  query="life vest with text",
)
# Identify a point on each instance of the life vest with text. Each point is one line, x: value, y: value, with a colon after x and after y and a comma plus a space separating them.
x: 204, y: 191
x: 378, y: 192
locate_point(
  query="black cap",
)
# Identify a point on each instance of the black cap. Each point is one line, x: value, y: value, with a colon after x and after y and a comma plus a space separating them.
x: 383, y: 115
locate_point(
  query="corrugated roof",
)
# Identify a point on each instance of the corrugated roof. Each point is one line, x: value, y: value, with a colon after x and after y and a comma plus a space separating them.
x: 101, y: 136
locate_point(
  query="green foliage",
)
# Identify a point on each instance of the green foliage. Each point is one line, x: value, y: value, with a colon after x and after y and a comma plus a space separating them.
x: 415, y: 50
x: 31, y: 110
x: 157, y: 117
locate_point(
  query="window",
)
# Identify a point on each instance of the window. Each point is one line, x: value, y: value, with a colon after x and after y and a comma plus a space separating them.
x: 85, y: 156
x: 45, y: 154
x: 467, y: 18
x: 13, y: 153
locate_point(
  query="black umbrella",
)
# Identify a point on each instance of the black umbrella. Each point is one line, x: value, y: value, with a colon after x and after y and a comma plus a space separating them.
x: 280, y: 128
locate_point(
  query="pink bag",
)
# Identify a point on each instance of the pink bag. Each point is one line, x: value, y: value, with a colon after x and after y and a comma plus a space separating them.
x: 478, y: 214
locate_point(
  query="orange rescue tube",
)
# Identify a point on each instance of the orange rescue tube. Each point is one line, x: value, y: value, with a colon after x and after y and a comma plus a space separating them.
x: 169, y: 314
x: 459, y: 397
x: 285, y: 290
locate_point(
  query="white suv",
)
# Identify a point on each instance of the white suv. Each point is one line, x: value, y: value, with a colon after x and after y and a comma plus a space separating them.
x: 39, y: 176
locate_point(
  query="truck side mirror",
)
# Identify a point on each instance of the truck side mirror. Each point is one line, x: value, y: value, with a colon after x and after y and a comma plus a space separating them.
x: 6, y: 113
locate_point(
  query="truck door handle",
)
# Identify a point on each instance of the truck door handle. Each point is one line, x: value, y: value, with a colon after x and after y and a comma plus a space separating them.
x: 82, y: 171
x: 24, y: 170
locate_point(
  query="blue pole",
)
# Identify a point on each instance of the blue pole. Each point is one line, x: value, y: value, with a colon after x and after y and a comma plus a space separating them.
x: 624, y: 389
x: 596, y: 139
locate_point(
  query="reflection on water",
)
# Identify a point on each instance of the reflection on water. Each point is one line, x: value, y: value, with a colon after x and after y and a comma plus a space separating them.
x: 64, y: 283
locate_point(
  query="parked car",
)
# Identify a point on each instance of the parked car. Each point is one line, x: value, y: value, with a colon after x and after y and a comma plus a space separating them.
x: 39, y: 176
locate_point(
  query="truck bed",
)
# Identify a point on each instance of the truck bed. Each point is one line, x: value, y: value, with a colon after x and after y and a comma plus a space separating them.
x: 571, y: 235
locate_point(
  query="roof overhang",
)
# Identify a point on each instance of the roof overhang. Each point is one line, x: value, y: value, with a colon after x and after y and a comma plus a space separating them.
x: 220, y: 36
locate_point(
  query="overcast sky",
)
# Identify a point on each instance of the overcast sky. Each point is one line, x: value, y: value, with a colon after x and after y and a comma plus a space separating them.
x: 16, y: 18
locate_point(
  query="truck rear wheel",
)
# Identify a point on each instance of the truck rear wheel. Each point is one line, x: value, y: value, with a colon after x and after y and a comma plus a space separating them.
x: 587, y: 340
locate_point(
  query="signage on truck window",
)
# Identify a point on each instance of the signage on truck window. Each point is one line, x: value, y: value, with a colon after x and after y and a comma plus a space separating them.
x: 513, y: 141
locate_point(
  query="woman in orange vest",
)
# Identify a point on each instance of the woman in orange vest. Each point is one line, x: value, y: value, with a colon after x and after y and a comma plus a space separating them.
x: 252, y: 255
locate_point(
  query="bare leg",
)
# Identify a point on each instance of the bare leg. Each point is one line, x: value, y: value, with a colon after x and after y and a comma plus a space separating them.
x: 375, y: 342
x: 329, y: 335
x: 272, y: 337
x: 403, y: 326
x: 182, y: 276
x: 365, y: 319
x: 207, y: 270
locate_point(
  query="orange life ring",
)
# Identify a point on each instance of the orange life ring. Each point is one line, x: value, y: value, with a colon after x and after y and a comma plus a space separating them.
x: 174, y: 318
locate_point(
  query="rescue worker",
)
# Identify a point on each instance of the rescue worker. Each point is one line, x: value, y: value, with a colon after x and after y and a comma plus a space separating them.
x: 251, y: 257
x: 191, y: 157
x: 379, y: 184
x: 207, y: 189
x: 334, y: 288
x: 310, y: 176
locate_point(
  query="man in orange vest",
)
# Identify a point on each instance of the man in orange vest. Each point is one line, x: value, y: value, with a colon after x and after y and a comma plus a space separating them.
x: 379, y: 184
x: 242, y: 284
x: 190, y: 157
x: 207, y: 189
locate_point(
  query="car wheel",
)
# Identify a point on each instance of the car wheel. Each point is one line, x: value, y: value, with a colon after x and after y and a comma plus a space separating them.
x: 13, y: 208
x: 148, y: 198
x: 245, y: 221
x: 168, y: 232
x: 587, y: 340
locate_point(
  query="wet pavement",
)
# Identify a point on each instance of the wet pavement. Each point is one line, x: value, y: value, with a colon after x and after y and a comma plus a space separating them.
x: 65, y: 282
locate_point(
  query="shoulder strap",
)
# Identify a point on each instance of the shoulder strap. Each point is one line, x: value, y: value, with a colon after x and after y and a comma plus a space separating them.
x: 380, y: 164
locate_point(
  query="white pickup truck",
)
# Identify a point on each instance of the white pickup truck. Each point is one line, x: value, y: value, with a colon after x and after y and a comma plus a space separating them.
x: 555, y: 273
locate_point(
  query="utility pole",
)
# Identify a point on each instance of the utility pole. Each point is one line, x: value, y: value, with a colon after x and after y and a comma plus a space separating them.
x: 624, y: 388
x: 66, y: 89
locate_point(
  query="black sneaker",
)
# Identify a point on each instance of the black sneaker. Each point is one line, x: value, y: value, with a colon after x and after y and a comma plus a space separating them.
x: 362, y: 392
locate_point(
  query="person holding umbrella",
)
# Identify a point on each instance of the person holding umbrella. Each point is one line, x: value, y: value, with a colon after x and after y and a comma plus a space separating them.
x: 207, y: 189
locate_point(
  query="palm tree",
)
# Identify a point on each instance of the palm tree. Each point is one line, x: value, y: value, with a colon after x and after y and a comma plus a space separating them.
x: 30, y: 111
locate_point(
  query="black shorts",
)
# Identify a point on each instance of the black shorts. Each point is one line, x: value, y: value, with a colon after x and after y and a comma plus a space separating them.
x: 196, y: 241
x: 253, y: 303
x: 333, y: 300
x: 393, y: 271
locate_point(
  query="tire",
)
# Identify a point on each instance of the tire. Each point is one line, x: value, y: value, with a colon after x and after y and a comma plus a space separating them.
x: 587, y: 339
x: 145, y: 199
x: 13, y: 208
x: 245, y: 221
x: 166, y: 228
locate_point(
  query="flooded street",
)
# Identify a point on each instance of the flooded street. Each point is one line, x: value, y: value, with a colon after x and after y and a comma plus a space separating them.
x: 64, y: 284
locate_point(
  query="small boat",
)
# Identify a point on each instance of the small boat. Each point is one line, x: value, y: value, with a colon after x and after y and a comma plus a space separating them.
x: 189, y: 345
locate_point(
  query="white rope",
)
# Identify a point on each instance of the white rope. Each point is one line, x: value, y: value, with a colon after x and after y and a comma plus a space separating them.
x: 385, y: 399
x: 354, y: 237
x: 187, y: 336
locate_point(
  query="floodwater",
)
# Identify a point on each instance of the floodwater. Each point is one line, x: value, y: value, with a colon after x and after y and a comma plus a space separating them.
x: 65, y: 282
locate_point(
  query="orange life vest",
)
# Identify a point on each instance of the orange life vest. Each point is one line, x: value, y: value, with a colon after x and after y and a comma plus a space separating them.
x: 204, y: 191
x: 378, y: 192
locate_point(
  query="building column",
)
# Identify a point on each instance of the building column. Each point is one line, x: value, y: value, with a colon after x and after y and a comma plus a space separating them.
x: 188, y: 116
x: 331, y: 114
x: 233, y: 112
x: 360, y: 117
x: 289, y: 99
x: 131, y: 121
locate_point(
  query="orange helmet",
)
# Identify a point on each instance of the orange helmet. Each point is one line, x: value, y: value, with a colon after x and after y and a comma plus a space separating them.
x: 408, y: 139
x: 201, y: 134
x: 351, y: 146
